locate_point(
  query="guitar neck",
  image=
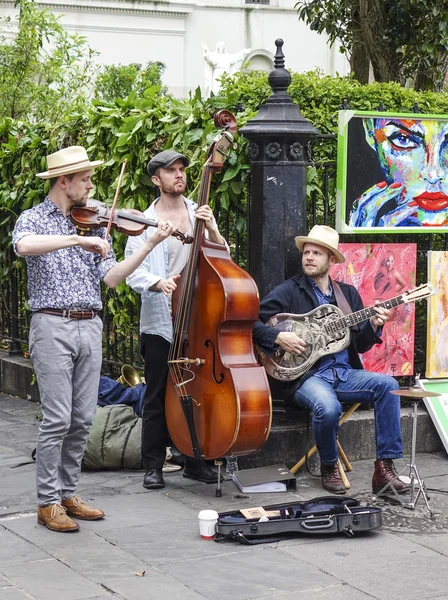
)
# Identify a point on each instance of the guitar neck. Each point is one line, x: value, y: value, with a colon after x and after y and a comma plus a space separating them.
x: 364, y: 314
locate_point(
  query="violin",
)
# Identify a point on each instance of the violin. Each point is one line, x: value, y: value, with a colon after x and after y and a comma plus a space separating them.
x: 129, y: 221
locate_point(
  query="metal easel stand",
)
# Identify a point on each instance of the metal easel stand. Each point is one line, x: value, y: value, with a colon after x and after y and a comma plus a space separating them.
x: 417, y: 485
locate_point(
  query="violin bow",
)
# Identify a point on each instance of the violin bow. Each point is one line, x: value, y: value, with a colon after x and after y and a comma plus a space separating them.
x: 109, y: 225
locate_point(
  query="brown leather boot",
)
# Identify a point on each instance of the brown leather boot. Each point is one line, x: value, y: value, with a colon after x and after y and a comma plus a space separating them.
x: 384, y: 473
x: 77, y: 508
x: 331, y: 479
x: 54, y: 517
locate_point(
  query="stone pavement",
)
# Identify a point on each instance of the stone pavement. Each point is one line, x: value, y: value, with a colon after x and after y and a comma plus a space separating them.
x: 148, y: 546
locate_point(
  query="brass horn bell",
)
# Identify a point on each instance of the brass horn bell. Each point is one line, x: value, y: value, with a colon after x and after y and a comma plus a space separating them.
x: 129, y: 376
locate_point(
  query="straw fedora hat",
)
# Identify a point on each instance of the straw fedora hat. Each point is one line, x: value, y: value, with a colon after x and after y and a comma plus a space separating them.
x: 322, y: 235
x: 68, y: 160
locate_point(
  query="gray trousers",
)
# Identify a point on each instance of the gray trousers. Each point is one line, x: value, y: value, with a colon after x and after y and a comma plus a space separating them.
x: 67, y: 356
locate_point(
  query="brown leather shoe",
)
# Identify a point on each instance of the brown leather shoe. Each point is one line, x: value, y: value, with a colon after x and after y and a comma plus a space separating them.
x: 54, y: 517
x: 76, y: 507
x: 331, y: 479
x: 384, y: 473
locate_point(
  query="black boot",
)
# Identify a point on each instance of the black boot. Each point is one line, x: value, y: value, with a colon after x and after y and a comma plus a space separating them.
x: 176, y: 456
x: 199, y: 470
x: 153, y: 479
x: 331, y: 479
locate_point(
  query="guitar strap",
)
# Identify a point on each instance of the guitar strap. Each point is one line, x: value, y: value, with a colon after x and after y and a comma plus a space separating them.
x: 340, y: 299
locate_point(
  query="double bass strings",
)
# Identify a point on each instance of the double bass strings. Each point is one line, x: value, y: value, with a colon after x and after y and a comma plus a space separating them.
x: 181, y: 316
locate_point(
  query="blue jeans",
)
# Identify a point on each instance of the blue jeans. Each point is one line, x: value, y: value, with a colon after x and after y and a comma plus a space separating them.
x: 323, y: 399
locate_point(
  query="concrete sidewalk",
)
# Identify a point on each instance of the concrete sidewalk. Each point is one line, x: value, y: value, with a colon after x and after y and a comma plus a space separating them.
x: 148, y: 546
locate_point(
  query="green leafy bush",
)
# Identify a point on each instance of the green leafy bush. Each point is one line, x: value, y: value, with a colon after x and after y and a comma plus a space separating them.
x: 140, y: 125
x: 119, y: 81
x: 43, y: 71
x: 320, y: 96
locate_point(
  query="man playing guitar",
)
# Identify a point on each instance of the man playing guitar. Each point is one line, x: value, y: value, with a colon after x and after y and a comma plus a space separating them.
x: 337, y: 377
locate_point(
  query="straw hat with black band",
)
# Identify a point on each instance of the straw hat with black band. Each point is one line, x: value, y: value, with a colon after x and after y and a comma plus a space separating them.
x: 322, y: 235
x: 68, y: 160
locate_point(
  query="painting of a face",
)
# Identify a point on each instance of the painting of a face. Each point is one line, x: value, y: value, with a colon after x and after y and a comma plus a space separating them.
x: 414, y: 153
x: 392, y: 172
x: 390, y: 262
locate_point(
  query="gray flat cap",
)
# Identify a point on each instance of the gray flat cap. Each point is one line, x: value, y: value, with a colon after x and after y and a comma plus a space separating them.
x: 165, y: 159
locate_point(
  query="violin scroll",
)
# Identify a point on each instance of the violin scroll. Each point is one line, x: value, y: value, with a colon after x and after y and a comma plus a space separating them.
x: 224, y: 119
x: 224, y: 141
x: 185, y: 239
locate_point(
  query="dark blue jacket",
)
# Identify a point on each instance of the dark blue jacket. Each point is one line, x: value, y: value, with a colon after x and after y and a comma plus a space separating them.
x: 296, y: 296
x: 114, y: 392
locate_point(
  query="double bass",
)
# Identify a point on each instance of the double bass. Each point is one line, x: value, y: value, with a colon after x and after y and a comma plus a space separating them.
x: 218, y: 401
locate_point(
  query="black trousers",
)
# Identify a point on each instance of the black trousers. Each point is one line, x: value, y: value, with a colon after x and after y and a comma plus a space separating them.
x: 155, y: 350
x: 155, y: 437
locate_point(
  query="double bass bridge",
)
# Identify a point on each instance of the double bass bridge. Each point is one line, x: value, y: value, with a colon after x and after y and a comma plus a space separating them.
x: 185, y: 364
x: 188, y: 361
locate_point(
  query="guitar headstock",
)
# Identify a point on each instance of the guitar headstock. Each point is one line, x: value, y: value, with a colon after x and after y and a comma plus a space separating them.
x: 422, y: 291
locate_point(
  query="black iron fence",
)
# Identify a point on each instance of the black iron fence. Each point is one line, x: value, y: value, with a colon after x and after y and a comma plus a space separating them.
x: 121, y: 344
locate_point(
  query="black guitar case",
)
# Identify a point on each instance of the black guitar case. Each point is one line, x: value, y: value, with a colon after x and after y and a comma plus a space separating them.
x: 326, y: 515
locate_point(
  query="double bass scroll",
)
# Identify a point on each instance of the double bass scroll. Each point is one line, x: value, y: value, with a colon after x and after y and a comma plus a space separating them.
x: 218, y: 403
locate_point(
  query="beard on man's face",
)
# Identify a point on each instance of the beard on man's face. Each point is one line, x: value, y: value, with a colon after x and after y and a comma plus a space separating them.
x: 173, y: 189
x: 313, y: 271
x: 77, y: 199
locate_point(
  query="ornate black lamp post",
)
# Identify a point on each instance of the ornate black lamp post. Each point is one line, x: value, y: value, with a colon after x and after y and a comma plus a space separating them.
x: 279, y: 135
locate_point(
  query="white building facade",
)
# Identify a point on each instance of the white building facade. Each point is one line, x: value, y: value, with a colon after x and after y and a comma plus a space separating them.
x: 172, y: 32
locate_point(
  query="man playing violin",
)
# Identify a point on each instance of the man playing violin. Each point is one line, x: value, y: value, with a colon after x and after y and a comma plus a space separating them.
x: 338, y: 377
x: 156, y: 279
x: 64, y: 275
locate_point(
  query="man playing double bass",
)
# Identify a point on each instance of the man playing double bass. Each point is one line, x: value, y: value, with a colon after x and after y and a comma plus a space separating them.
x: 336, y: 377
x: 156, y: 279
x: 64, y: 284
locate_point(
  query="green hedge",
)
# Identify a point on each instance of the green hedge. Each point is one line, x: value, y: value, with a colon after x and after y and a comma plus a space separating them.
x: 138, y: 127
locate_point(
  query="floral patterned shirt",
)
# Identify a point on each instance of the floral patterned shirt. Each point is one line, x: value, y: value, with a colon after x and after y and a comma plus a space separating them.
x: 69, y: 278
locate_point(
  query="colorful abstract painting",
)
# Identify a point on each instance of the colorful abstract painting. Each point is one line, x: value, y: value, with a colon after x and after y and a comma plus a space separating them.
x: 437, y: 328
x: 381, y: 272
x: 392, y: 172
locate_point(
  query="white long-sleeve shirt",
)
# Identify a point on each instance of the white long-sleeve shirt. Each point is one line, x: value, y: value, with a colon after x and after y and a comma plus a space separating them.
x: 155, y: 315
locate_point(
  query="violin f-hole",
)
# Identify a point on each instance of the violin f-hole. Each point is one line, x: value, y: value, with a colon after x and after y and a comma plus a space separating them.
x: 207, y: 344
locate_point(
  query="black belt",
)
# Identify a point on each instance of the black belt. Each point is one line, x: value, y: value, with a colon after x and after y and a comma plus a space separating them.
x: 69, y: 313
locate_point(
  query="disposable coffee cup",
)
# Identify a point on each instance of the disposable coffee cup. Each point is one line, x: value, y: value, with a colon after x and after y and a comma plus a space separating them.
x: 207, y: 522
